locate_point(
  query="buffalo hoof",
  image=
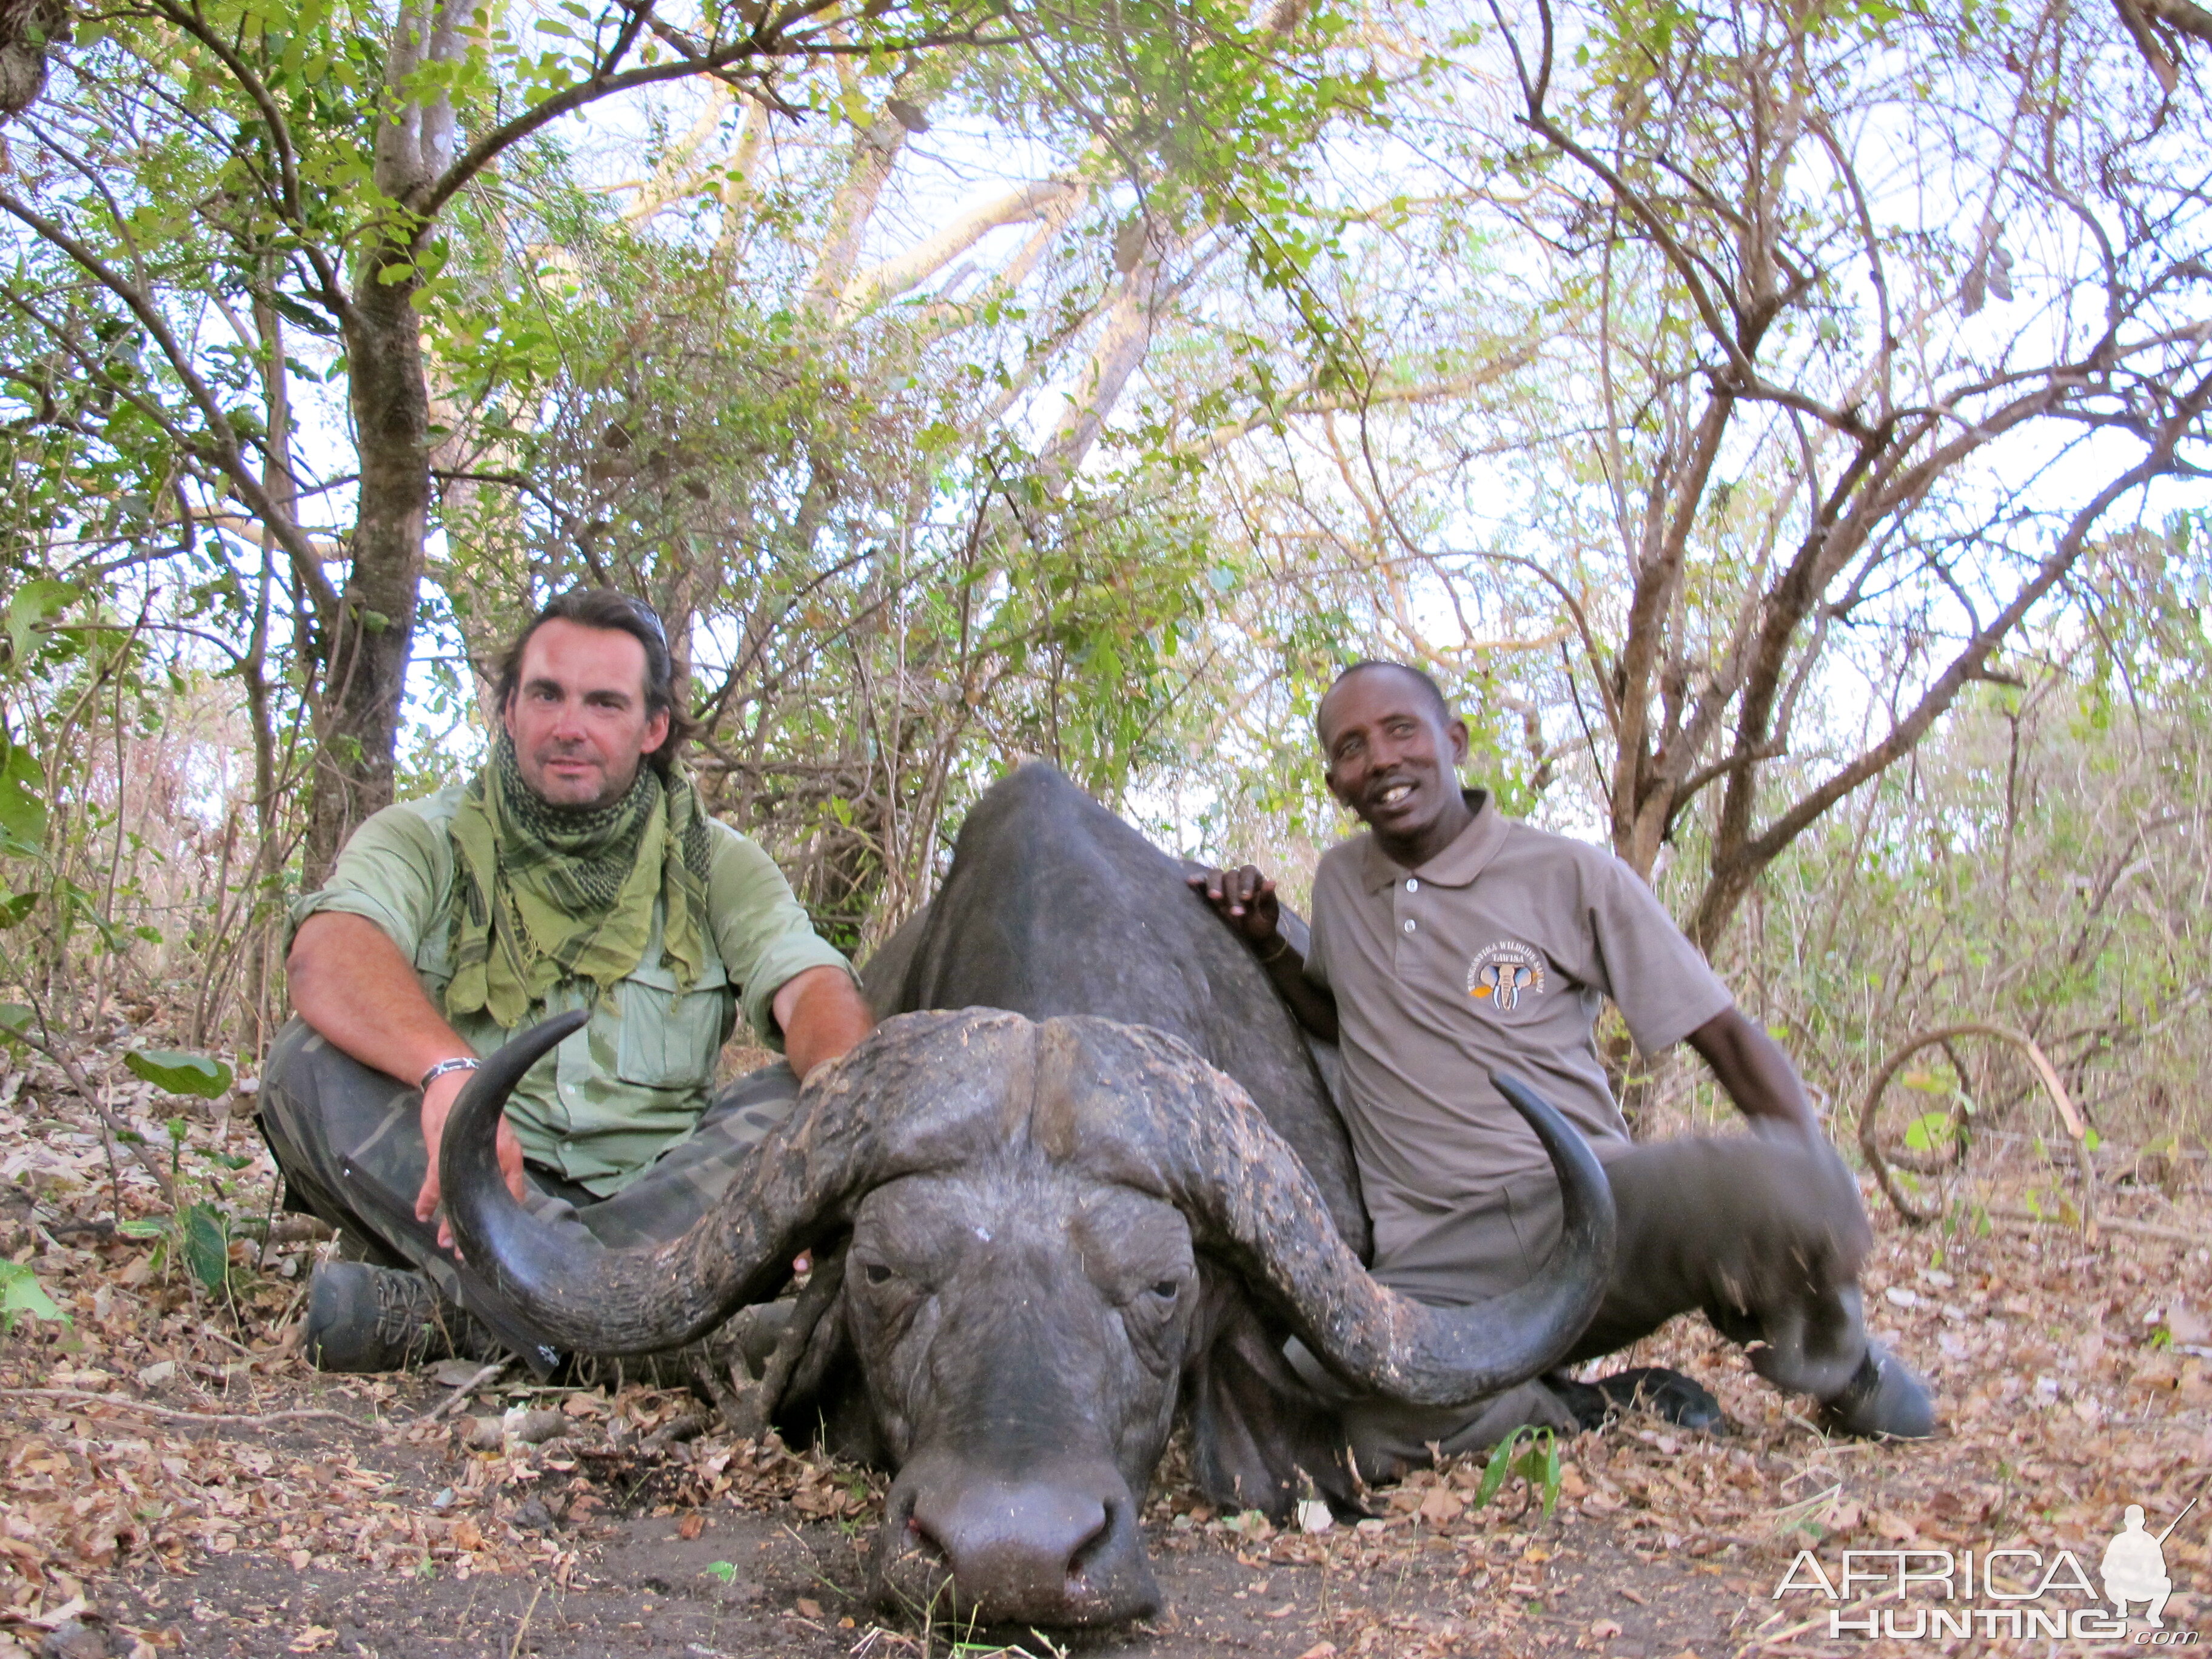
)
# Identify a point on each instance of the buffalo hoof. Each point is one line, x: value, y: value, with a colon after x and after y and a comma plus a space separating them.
x: 1884, y: 1400
x: 1667, y: 1394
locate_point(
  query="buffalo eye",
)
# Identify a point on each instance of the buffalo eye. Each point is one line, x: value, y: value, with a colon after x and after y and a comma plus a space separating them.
x: 1167, y: 1289
x: 877, y: 1274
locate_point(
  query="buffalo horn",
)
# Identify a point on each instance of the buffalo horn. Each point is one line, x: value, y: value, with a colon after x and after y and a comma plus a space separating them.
x: 940, y: 1090
x: 1252, y: 1203
x: 894, y: 1106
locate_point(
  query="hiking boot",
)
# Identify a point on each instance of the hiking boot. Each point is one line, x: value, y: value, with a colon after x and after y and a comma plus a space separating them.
x: 1884, y: 1400
x: 367, y: 1318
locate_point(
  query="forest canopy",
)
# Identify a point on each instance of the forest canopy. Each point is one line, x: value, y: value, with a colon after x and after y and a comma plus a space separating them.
x: 1781, y: 427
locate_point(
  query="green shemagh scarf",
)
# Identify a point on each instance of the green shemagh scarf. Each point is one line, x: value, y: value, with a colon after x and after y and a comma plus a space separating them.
x: 542, y: 894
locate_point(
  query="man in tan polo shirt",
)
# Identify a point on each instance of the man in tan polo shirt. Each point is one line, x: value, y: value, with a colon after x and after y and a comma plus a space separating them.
x: 1450, y: 942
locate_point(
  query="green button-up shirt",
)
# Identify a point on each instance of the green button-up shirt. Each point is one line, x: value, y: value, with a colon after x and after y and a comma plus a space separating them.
x: 615, y: 1095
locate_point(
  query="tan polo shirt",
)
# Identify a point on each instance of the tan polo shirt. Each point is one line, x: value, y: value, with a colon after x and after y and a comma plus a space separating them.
x: 1497, y: 954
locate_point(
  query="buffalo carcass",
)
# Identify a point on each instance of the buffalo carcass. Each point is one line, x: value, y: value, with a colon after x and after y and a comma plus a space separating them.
x: 1104, y: 1177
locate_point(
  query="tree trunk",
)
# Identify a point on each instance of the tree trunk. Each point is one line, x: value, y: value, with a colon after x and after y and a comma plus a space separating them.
x: 1646, y: 775
x: 366, y: 644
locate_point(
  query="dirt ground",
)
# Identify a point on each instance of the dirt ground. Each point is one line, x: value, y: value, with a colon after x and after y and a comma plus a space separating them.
x: 173, y: 1479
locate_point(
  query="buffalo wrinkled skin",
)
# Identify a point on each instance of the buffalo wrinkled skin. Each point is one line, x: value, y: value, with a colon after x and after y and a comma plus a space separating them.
x: 1044, y: 1408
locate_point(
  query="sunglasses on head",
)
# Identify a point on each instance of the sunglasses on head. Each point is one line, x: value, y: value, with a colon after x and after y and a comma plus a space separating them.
x: 646, y: 614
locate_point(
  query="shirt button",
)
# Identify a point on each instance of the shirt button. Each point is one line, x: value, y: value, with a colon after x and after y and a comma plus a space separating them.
x: 1412, y: 884
x: 1409, y: 924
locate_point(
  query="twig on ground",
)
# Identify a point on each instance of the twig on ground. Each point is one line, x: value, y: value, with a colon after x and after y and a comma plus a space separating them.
x: 451, y: 1402
x: 169, y: 1413
x: 515, y: 1647
x: 101, y: 1228
x: 2114, y: 1224
x: 1796, y: 1630
x: 283, y: 1322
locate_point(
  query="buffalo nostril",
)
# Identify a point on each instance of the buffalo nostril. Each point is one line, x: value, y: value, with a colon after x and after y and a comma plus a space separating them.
x: 1054, y: 1546
x: 1033, y: 1539
x: 1088, y: 1550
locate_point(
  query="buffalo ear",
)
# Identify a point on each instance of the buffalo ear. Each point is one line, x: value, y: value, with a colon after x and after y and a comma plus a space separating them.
x: 1255, y: 1427
x: 814, y: 1392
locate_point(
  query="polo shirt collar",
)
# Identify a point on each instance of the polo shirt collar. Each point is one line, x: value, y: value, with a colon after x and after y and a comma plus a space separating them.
x: 1458, y: 865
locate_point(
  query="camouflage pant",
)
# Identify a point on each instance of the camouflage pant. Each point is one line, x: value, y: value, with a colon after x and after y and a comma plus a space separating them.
x: 349, y: 1142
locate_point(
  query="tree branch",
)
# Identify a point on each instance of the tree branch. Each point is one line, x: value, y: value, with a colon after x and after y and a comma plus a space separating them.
x: 1301, y: 400
x: 760, y: 44
x: 893, y: 277
x: 224, y: 447
x: 280, y: 133
x: 1727, y: 882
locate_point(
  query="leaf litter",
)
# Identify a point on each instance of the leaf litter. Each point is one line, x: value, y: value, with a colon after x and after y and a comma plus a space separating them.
x: 168, y: 1431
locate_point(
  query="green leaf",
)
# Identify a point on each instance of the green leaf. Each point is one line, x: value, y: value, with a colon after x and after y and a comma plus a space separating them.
x: 21, y: 1293
x: 207, y: 1244
x: 23, y: 809
x: 179, y: 1074
x: 144, y: 1227
x: 1927, y: 1132
x: 33, y: 603
x: 16, y: 1017
x: 1499, y: 1466
x: 13, y: 909
x: 725, y: 1570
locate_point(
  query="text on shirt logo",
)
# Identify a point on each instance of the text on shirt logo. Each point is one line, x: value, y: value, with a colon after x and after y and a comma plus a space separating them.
x: 1502, y: 974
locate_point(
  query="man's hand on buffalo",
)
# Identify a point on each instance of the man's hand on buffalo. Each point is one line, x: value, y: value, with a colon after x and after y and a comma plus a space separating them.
x: 437, y: 1104
x: 821, y: 1015
x: 1245, y: 899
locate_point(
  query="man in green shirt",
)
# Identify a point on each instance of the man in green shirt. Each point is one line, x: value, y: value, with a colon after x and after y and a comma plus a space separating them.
x: 577, y: 871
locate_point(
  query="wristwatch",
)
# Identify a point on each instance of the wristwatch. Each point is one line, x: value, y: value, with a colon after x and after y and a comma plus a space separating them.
x: 468, y: 1063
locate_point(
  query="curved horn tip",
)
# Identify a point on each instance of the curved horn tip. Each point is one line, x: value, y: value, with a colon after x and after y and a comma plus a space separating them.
x: 469, y: 1143
x: 504, y: 1068
x: 1590, y: 1221
x: 549, y: 1032
x: 1541, y: 1112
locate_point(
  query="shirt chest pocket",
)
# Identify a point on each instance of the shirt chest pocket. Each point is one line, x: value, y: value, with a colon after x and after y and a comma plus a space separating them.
x: 667, y: 1038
